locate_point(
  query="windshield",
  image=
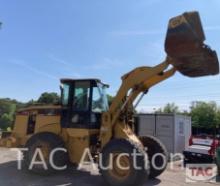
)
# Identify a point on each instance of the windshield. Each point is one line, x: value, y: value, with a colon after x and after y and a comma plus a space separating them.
x: 99, y: 99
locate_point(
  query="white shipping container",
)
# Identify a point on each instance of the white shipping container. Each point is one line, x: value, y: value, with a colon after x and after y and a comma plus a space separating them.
x: 173, y: 130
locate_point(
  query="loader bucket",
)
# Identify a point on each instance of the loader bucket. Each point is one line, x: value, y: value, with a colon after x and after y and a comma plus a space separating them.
x: 185, y: 45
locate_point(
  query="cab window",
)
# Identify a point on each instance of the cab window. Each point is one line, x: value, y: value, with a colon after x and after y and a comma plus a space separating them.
x: 81, y: 96
x: 98, y: 100
x: 65, y: 94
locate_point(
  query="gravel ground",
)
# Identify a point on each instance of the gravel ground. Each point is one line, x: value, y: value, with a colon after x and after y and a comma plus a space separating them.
x: 9, y: 175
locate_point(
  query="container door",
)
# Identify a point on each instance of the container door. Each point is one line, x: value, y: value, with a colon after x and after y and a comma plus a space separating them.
x: 188, y: 130
x: 146, y: 125
x: 164, y: 131
x: 180, y: 133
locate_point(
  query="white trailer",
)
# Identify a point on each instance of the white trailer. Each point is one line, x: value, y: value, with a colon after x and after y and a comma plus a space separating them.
x: 173, y: 130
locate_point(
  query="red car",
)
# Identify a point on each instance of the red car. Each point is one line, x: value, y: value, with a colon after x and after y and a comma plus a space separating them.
x: 201, y: 149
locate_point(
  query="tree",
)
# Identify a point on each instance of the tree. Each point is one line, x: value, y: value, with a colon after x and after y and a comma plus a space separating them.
x: 48, y: 98
x: 205, y: 115
x: 169, y: 108
x: 218, y: 119
x: 30, y: 103
x: 7, y: 110
x: 6, y: 121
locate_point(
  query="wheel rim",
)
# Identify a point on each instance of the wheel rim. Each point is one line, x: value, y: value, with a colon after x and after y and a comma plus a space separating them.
x: 122, y: 172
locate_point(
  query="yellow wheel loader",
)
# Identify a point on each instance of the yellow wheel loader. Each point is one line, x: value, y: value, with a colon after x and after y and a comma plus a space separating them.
x: 84, y: 120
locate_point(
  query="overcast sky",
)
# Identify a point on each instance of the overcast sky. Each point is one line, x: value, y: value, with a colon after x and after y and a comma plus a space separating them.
x: 42, y: 41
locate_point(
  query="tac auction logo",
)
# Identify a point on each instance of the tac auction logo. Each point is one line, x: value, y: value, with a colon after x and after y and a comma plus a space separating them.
x: 201, y: 173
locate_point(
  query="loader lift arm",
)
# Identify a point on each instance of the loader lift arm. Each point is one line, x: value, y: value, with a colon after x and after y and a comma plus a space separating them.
x: 137, y: 81
x: 133, y: 84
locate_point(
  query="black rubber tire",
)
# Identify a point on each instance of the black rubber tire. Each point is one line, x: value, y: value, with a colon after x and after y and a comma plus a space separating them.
x: 155, y: 146
x: 53, y: 141
x: 187, y: 161
x: 137, y: 177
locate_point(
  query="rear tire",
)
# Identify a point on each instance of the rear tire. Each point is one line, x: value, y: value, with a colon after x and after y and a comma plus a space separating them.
x: 154, y: 146
x: 120, y: 177
x: 46, y: 142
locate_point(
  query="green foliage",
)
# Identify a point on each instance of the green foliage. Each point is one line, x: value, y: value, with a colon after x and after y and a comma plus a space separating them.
x: 218, y: 118
x: 205, y: 115
x: 49, y: 98
x: 7, y: 109
x: 169, y: 108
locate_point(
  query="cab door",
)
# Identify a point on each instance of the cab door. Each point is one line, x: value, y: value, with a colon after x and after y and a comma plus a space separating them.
x: 81, y: 105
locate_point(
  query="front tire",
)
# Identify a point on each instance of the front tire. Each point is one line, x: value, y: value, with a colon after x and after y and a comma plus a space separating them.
x: 46, y: 142
x: 153, y: 147
x: 121, y: 152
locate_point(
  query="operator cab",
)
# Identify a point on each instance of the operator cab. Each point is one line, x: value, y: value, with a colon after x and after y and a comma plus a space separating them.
x: 83, y: 101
